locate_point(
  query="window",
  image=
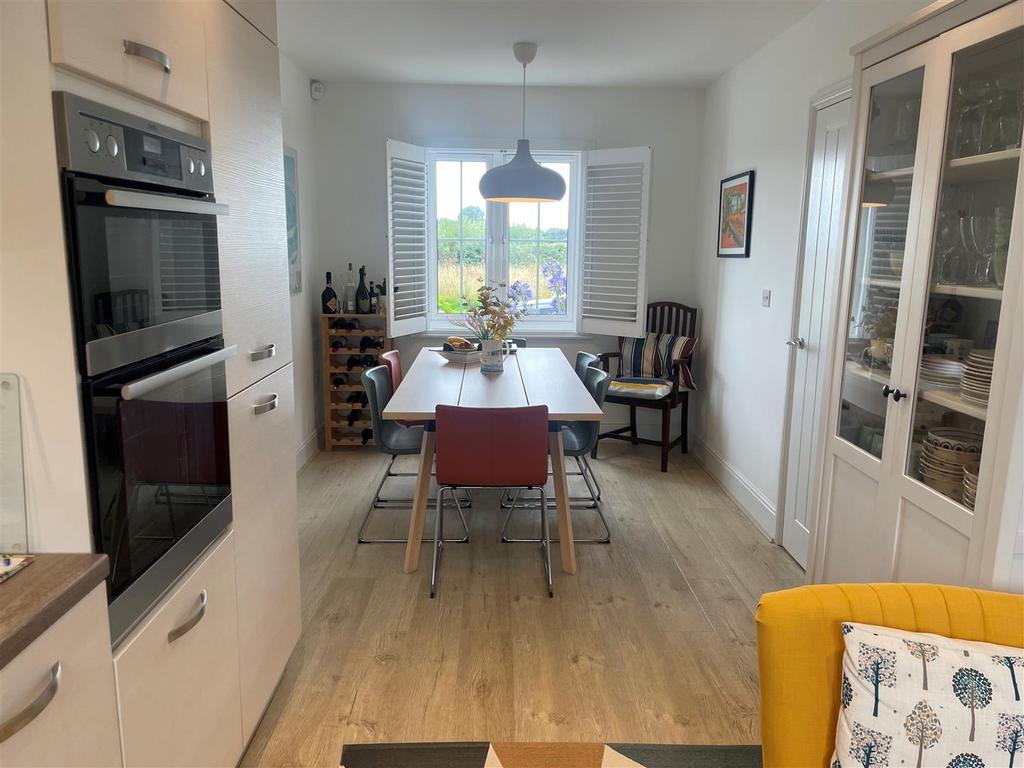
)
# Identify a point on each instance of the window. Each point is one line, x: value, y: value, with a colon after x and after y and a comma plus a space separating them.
x: 576, y: 264
x: 530, y: 248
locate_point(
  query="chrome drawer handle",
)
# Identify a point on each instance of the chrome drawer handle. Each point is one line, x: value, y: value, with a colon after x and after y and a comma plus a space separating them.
x: 155, y: 55
x: 196, y: 617
x: 265, y: 406
x: 263, y: 353
x: 32, y: 711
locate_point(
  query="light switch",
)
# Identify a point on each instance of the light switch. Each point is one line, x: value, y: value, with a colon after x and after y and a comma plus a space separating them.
x: 766, y: 297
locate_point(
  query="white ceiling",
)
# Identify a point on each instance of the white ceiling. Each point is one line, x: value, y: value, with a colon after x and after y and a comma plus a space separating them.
x: 582, y: 42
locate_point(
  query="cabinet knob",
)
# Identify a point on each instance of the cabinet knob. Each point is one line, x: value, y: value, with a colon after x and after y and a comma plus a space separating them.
x: 896, y: 394
x: 799, y: 342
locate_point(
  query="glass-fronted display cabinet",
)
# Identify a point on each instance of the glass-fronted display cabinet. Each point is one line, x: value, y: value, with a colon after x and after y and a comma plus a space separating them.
x: 921, y: 474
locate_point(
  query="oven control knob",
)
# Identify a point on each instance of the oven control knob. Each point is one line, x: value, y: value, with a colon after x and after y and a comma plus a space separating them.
x: 92, y: 141
x: 191, y: 165
x: 112, y: 146
x: 202, y: 168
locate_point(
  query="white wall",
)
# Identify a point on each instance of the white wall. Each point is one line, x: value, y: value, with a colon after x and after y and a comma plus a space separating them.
x: 757, y: 116
x: 297, y: 119
x: 353, y: 121
x: 36, y: 337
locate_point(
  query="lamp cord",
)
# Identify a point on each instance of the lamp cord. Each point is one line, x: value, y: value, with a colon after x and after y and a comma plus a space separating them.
x: 524, y: 101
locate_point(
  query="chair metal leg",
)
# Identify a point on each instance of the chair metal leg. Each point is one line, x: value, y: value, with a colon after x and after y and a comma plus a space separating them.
x: 590, y: 470
x: 546, y: 542
x: 606, y: 538
x: 438, y: 543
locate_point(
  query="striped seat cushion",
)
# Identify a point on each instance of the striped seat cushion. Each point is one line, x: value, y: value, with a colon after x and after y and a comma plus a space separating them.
x: 652, y: 357
x: 646, y: 389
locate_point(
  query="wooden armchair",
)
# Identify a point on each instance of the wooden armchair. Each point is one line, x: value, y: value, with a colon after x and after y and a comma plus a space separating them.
x: 662, y: 317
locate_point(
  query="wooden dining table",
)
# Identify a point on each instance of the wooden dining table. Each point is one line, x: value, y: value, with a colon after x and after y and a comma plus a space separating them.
x: 532, y: 376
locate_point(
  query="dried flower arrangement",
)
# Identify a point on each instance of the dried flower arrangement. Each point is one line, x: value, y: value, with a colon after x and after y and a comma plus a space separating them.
x: 492, y: 317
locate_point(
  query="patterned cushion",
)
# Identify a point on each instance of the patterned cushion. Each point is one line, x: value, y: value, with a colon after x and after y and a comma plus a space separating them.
x: 647, y: 389
x: 914, y: 699
x: 652, y: 356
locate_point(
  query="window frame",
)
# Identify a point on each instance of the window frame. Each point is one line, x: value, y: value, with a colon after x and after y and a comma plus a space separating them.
x: 497, y: 242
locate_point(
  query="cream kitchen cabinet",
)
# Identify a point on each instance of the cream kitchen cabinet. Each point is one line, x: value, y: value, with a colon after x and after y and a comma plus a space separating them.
x: 261, y: 420
x: 67, y: 676
x: 245, y: 134
x: 920, y: 478
x: 155, y: 49
x: 177, y: 674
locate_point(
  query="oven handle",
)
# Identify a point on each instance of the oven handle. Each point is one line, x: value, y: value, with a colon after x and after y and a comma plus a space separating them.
x: 122, y: 198
x: 144, y: 386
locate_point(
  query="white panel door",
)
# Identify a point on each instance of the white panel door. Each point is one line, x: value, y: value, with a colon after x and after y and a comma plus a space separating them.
x: 822, y: 249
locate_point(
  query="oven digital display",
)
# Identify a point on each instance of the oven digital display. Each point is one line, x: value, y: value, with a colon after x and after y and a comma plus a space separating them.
x: 152, y: 145
x: 152, y: 155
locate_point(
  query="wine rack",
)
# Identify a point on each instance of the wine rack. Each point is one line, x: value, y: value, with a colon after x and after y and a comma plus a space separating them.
x: 339, y: 348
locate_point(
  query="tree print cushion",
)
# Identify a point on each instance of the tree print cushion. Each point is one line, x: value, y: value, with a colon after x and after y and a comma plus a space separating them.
x: 913, y: 699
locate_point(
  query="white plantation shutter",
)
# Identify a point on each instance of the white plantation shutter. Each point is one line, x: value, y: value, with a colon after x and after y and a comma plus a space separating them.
x: 407, y: 238
x: 616, y: 192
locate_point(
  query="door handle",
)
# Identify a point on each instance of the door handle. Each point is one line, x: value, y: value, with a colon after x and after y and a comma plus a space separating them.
x: 267, y: 405
x: 143, y: 51
x: 896, y: 394
x: 263, y: 353
x: 123, y: 198
x: 799, y: 342
x: 189, y: 623
x: 10, y: 727
x: 144, y: 386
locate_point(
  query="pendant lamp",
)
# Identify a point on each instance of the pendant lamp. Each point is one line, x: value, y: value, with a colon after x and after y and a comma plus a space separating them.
x: 522, y: 179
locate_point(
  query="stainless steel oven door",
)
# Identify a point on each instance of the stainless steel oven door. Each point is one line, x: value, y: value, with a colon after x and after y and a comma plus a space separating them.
x: 157, y: 440
x: 144, y: 268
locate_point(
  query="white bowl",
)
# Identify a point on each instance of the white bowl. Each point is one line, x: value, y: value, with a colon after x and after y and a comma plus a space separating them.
x: 469, y: 357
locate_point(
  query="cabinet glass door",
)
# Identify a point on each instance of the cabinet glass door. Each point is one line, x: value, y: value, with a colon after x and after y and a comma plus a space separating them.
x: 968, y: 262
x: 888, y: 174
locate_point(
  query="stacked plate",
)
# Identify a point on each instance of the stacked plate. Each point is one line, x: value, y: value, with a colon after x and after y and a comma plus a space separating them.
x: 977, y: 378
x: 946, y: 453
x: 970, y: 487
x: 941, y: 371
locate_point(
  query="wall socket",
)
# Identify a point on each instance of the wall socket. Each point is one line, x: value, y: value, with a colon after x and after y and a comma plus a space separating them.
x: 766, y: 297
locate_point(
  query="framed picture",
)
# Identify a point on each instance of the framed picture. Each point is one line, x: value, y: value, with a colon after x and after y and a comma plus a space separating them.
x: 291, y: 210
x: 735, y: 213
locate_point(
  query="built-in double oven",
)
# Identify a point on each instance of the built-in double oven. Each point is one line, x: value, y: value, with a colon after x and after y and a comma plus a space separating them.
x: 141, y: 228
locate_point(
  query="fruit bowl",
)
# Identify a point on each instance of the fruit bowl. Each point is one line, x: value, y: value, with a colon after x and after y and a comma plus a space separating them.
x: 460, y: 357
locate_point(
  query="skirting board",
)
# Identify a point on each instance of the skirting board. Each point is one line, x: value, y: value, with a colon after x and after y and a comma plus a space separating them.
x: 307, y: 450
x: 747, y: 496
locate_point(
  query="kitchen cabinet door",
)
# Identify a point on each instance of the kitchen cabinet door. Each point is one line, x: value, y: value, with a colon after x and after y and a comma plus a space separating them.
x: 246, y: 143
x: 68, y: 671
x: 262, y: 424
x: 154, y: 49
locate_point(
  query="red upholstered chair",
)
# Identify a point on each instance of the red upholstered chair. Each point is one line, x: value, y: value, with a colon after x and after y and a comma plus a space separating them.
x: 491, y: 448
x: 393, y: 361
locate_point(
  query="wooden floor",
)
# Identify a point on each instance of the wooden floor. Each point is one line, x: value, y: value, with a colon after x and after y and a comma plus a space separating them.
x: 652, y: 641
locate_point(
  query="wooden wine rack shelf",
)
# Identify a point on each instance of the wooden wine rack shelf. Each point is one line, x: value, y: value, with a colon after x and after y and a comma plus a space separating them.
x: 337, y: 432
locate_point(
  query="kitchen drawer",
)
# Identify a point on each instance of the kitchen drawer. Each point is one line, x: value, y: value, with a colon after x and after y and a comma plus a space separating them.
x: 178, y: 698
x: 79, y: 725
x: 266, y: 536
x: 89, y: 36
x: 246, y: 143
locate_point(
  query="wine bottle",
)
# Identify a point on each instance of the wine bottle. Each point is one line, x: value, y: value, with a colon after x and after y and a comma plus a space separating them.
x: 373, y: 299
x: 367, y: 436
x: 339, y: 380
x: 368, y: 361
x: 353, y: 398
x: 336, y: 346
x: 382, y: 297
x: 354, y: 416
x: 362, y: 294
x: 368, y: 342
x: 354, y: 361
x: 350, y: 290
x: 329, y: 299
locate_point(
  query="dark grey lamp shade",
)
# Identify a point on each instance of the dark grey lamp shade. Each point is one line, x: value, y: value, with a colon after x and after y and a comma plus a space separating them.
x: 522, y: 180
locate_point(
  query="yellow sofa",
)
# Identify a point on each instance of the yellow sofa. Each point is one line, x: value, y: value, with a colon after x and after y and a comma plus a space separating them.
x: 800, y: 650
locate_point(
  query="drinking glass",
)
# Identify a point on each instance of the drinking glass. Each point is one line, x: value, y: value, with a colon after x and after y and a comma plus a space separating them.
x: 969, y: 117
